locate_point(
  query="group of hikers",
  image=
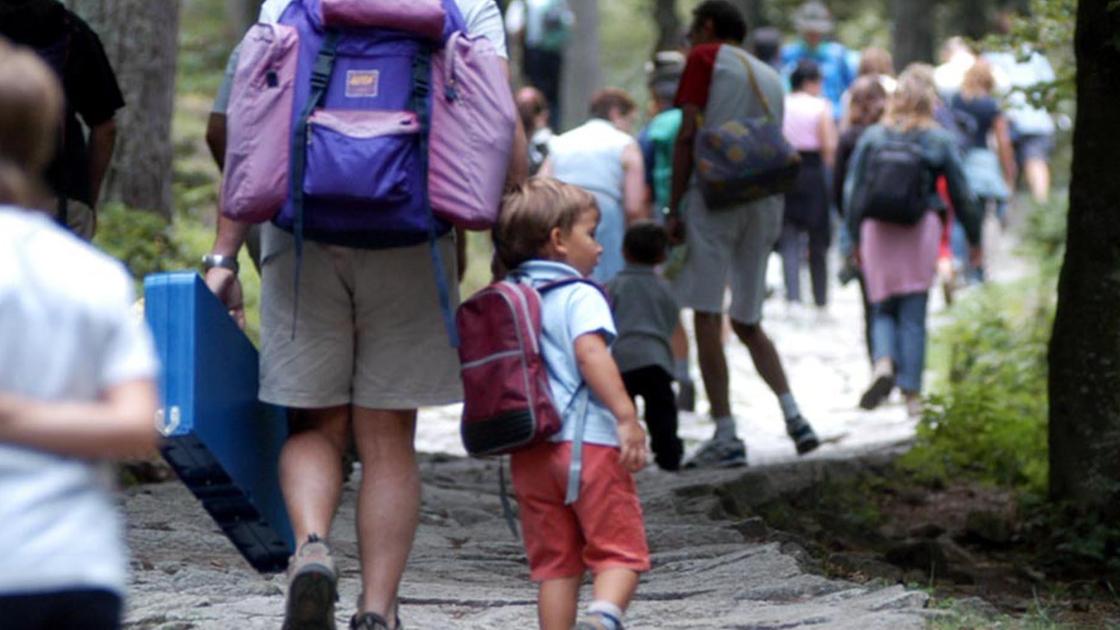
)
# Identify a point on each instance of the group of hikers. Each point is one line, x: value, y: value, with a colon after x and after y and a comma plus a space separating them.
x: 615, y: 234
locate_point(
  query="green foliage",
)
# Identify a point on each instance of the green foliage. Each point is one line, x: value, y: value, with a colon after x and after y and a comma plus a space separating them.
x: 144, y: 241
x: 989, y: 419
x: 989, y: 423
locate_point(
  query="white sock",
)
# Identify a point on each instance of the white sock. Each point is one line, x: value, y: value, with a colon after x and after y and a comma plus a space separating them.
x: 725, y: 428
x: 680, y: 371
x: 789, y: 406
x: 608, y: 612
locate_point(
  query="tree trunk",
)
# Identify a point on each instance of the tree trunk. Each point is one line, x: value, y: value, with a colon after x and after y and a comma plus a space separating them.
x: 582, y: 74
x: 141, y: 38
x: 1085, y: 347
x: 241, y: 15
x: 668, y: 24
x: 912, y: 33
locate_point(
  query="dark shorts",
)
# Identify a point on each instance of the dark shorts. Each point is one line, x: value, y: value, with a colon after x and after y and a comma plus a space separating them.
x: 92, y: 609
x: 1033, y: 147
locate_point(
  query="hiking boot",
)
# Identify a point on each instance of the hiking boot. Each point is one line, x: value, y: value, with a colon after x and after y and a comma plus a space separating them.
x: 371, y: 621
x: 686, y: 396
x: 882, y: 382
x: 719, y: 453
x: 312, y: 587
x: 803, y: 436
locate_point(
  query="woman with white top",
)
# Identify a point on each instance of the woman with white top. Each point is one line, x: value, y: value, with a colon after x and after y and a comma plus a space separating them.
x: 602, y: 157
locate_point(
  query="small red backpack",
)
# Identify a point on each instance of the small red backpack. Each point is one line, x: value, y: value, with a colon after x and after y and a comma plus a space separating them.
x: 507, y: 403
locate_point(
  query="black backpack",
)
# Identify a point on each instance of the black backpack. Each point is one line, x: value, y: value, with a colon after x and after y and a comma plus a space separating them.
x: 896, y: 182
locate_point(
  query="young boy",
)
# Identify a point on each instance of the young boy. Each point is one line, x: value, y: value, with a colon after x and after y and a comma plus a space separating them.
x: 647, y: 315
x: 546, y: 232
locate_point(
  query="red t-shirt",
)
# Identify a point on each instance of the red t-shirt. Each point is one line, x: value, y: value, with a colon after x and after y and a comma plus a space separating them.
x: 696, y: 81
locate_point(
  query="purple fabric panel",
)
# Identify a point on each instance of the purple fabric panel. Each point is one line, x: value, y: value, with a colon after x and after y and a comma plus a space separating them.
x: 422, y: 17
x: 255, y: 182
x: 899, y: 259
x: 473, y: 122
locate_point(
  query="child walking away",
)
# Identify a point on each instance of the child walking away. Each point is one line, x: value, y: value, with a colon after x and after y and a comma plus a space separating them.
x: 647, y: 316
x: 76, y: 384
x: 546, y: 233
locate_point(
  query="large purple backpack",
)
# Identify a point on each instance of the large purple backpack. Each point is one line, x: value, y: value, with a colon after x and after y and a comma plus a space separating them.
x: 329, y: 124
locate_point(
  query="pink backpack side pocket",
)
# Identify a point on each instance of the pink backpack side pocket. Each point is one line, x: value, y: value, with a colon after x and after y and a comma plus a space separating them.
x: 473, y: 122
x: 258, y: 122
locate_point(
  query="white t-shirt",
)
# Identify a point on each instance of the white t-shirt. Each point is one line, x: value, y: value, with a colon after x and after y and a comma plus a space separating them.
x: 481, y: 16
x: 67, y: 333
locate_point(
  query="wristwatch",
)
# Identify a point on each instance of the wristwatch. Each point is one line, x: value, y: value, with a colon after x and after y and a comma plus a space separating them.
x: 209, y: 261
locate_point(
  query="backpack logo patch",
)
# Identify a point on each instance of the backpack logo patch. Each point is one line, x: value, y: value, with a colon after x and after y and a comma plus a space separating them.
x: 362, y: 83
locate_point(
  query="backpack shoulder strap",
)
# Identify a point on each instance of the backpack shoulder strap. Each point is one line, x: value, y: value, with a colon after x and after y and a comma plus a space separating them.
x: 743, y: 58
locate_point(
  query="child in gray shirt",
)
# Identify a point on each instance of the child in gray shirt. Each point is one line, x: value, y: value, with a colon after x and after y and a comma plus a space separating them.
x: 646, y: 315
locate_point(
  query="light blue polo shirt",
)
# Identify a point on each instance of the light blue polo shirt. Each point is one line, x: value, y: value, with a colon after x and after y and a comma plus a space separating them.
x: 568, y: 312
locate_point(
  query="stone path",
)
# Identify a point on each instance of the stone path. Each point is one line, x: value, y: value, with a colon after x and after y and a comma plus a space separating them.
x: 711, y: 568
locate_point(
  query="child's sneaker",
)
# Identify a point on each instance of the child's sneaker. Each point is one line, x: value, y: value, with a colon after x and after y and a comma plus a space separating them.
x: 595, y: 622
x: 803, y: 436
x: 312, y: 587
x: 719, y: 453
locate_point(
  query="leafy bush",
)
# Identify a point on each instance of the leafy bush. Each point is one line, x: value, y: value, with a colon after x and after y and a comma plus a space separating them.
x: 989, y: 423
x: 144, y: 241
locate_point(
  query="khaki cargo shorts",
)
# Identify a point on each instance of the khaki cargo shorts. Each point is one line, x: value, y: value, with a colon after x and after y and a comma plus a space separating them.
x: 370, y: 330
x: 728, y: 248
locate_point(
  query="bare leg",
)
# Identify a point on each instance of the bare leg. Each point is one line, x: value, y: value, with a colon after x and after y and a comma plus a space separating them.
x: 679, y: 343
x: 557, y: 601
x: 1038, y: 179
x: 764, y: 355
x: 713, y: 363
x: 311, y: 468
x: 616, y: 586
x: 388, y: 503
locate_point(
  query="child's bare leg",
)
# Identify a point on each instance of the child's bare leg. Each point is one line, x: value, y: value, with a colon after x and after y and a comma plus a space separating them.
x: 557, y: 600
x: 614, y: 587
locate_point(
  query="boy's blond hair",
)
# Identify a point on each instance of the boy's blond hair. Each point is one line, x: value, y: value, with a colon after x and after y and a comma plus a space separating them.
x: 529, y: 214
x: 30, y: 114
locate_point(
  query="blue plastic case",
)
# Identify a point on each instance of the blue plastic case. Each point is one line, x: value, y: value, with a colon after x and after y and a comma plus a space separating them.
x: 219, y: 438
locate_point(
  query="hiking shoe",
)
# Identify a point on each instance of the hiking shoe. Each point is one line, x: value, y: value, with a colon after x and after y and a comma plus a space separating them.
x: 719, y: 453
x: 803, y: 436
x: 686, y: 396
x: 312, y: 587
x: 592, y: 622
x: 882, y: 382
x: 371, y: 621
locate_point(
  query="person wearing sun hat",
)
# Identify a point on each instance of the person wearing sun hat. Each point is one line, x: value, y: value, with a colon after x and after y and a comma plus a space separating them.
x: 814, y: 23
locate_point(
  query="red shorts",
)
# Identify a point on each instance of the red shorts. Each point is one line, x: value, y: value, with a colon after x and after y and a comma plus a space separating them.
x: 602, y: 530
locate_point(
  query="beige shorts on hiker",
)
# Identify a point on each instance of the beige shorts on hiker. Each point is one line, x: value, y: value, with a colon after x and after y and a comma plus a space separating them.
x: 370, y: 333
x: 728, y: 248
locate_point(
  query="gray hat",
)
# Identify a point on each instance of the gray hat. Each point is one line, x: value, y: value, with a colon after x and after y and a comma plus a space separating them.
x: 664, y: 73
x: 813, y: 17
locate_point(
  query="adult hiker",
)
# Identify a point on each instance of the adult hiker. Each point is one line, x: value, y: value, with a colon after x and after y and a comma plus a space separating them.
x: 892, y: 209
x: 364, y: 344
x: 542, y: 27
x: 602, y: 157
x: 814, y: 23
x: 727, y: 246
x: 92, y: 98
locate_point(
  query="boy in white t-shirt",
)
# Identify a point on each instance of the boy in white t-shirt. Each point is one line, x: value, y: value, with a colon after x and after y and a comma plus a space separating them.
x: 76, y: 385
